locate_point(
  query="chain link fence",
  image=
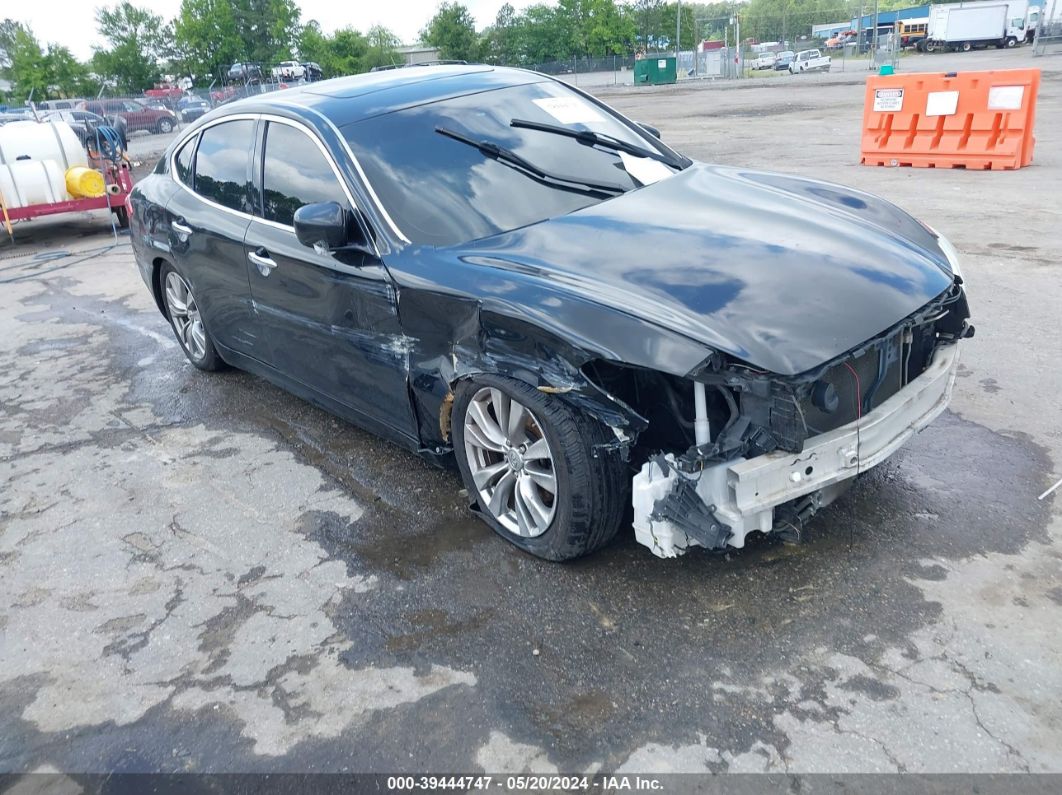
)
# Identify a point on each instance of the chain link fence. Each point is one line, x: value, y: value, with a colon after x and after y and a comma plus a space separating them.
x: 1048, y: 38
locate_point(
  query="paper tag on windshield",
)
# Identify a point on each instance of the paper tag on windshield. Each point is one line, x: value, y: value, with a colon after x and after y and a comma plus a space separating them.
x: 569, y: 110
x: 644, y: 169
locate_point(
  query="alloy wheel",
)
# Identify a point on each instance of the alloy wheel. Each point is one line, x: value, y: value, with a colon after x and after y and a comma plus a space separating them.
x: 184, y: 314
x: 511, y: 462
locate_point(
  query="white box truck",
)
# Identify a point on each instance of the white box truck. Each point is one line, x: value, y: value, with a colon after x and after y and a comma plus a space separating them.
x: 964, y: 26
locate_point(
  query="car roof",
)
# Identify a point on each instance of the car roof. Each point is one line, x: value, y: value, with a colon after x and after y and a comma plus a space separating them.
x: 345, y: 100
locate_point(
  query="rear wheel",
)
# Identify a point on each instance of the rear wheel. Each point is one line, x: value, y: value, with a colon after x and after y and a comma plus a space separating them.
x: 966, y: 46
x: 533, y: 466
x: 165, y: 125
x: 182, y: 311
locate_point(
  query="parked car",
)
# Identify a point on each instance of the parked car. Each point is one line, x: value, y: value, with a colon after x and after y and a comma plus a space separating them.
x: 783, y: 59
x: 311, y: 72
x: 490, y: 267
x: 59, y: 104
x: 137, y: 115
x: 191, y: 108
x: 244, y: 72
x: 809, y: 61
x: 85, y: 124
x: 9, y: 116
x: 289, y: 70
x: 765, y: 60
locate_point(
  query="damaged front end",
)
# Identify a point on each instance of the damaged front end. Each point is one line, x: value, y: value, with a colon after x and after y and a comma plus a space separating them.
x: 766, y: 452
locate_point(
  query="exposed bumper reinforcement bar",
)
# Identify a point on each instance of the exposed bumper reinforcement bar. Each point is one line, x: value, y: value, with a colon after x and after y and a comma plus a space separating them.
x: 741, y: 495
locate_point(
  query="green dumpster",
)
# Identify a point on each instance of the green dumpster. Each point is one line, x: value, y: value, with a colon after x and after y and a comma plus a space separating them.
x: 654, y: 71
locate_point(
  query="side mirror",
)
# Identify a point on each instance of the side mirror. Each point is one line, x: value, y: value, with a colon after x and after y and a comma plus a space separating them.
x: 650, y: 129
x: 327, y: 226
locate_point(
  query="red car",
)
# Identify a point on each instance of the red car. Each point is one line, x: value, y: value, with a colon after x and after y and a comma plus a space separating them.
x: 137, y: 115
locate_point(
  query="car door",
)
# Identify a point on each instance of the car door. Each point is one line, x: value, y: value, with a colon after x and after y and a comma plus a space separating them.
x: 330, y: 320
x: 208, y: 220
x: 138, y: 116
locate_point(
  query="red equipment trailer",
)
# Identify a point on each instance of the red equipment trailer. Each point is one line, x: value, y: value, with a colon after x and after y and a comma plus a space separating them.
x: 119, y: 185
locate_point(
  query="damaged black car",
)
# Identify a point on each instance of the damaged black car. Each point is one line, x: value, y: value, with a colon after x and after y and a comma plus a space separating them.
x: 491, y: 267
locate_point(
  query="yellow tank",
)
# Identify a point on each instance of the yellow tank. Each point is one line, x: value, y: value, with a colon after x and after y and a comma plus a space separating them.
x: 84, y: 183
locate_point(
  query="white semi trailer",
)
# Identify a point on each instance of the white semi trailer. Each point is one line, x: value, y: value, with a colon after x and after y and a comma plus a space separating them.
x: 964, y: 26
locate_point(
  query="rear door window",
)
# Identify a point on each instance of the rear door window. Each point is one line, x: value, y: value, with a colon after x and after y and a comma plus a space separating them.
x: 222, y: 164
x: 295, y: 172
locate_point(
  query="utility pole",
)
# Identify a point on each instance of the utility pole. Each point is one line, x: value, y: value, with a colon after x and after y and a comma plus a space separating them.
x: 875, y: 25
x: 737, y: 46
x: 678, y: 28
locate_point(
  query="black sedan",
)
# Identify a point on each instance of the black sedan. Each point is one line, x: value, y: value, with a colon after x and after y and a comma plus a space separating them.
x: 490, y: 267
x: 191, y: 108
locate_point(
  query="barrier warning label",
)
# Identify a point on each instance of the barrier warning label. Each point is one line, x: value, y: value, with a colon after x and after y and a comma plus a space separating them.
x: 942, y: 103
x: 1005, y: 97
x: 888, y: 100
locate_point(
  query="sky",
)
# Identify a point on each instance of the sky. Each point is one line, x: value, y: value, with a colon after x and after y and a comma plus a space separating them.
x: 72, y: 22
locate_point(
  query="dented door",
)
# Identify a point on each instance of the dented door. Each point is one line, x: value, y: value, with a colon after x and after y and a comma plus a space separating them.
x: 331, y: 325
x: 330, y: 320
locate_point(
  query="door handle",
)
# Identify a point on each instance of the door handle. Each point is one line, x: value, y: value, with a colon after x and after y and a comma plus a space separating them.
x: 262, y: 261
x: 180, y: 228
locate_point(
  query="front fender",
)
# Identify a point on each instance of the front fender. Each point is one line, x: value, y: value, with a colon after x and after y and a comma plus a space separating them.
x: 514, y: 325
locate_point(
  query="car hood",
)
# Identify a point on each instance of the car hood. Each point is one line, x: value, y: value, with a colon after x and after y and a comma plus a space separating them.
x: 782, y: 272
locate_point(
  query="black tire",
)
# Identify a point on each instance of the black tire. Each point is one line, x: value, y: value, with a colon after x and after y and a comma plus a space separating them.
x: 210, y: 361
x: 1011, y: 42
x: 592, y: 485
x: 966, y: 46
x: 165, y: 126
x: 121, y: 217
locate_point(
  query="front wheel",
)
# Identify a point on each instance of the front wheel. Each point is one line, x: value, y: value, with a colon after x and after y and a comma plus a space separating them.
x: 1012, y: 42
x: 536, y: 468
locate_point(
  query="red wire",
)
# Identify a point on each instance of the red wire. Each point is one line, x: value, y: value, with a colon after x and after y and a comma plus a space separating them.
x: 859, y: 391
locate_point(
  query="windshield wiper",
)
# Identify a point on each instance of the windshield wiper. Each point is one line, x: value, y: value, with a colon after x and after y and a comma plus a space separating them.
x: 510, y: 158
x: 591, y: 138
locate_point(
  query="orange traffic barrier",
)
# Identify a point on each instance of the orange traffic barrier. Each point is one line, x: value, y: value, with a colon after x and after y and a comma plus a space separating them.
x: 981, y: 120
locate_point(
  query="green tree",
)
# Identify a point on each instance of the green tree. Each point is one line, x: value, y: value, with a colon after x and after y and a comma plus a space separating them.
x: 8, y: 29
x: 543, y: 36
x: 346, y: 53
x: 211, y: 35
x: 28, y: 70
x: 689, y: 26
x: 206, y: 35
x: 135, y: 36
x: 648, y: 20
x: 67, y: 76
x: 267, y: 28
x: 383, y: 48
x: 453, y: 31
x: 48, y: 72
x: 501, y: 41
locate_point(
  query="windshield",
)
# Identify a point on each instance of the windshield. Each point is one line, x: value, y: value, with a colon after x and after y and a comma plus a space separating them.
x: 442, y: 191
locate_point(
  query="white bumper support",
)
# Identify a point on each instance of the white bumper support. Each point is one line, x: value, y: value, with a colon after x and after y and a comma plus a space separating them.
x: 745, y: 491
